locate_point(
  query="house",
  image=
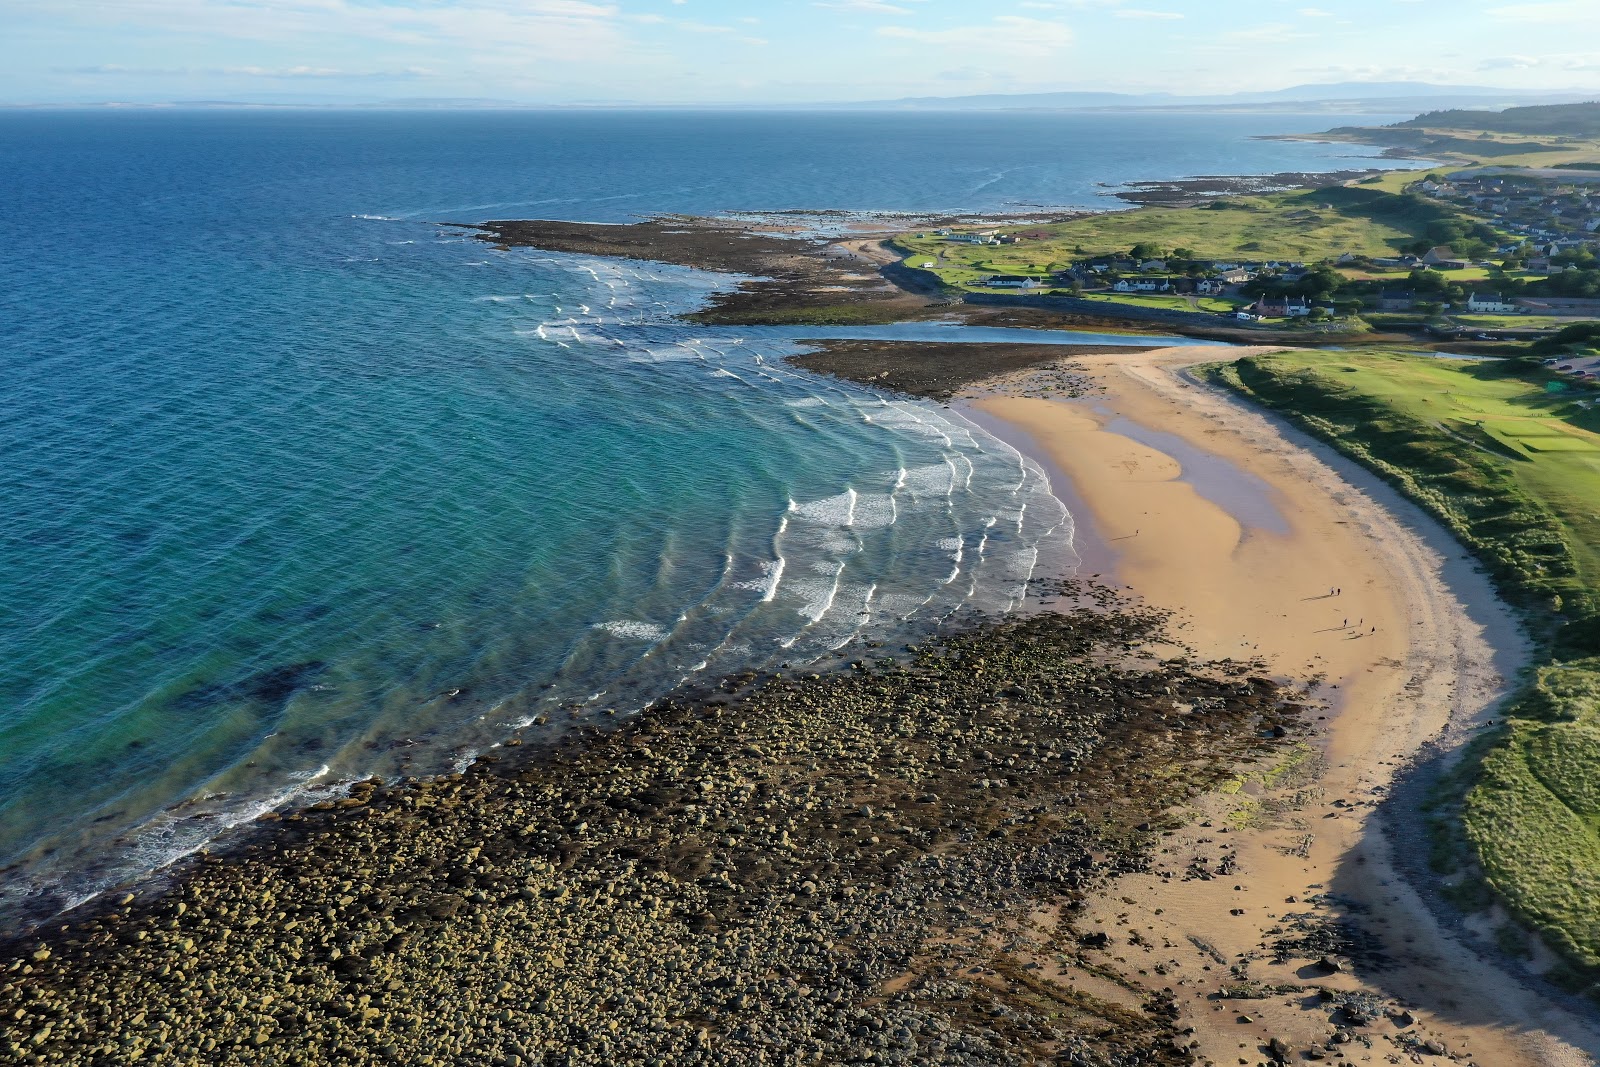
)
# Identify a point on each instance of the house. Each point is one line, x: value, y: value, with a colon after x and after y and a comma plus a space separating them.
x: 1210, y: 286
x: 1538, y: 265
x: 1153, y: 264
x: 1012, y: 281
x: 1396, y: 300
x: 1282, y: 307
x: 1236, y: 275
x: 1490, y: 304
x: 1144, y: 285
x: 971, y: 238
x: 1444, y: 259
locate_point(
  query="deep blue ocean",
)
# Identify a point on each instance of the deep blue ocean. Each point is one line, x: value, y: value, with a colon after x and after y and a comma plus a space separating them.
x: 299, y: 485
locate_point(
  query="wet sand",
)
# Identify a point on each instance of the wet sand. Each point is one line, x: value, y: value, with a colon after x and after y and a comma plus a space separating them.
x: 1245, y: 528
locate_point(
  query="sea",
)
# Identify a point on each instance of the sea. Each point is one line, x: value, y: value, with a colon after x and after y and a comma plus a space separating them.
x: 301, y: 483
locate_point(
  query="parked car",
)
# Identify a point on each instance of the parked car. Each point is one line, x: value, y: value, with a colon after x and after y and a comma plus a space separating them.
x: 1565, y: 366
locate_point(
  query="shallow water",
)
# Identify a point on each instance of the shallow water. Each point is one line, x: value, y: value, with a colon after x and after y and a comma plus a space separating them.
x: 297, y: 485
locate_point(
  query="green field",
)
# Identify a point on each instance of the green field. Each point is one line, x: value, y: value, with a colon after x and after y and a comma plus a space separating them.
x: 1512, y: 322
x: 1514, y: 470
x: 1304, y: 226
x: 1159, y: 300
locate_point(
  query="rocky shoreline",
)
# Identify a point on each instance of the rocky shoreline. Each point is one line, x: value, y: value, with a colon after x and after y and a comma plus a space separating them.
x: 881, y: 864
x: 938, y: 370
x: 1189, y: 192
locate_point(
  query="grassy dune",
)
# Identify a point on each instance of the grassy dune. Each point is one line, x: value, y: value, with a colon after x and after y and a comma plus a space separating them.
x: 1514, y: 470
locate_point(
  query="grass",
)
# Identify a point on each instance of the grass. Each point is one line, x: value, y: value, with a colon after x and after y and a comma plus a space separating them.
x: 1532, y: 813
x: 1514, y: 471
x: 1301, y: 225
x: 1461, y: 435
x: 1513, y: 322
x: 1157, y: 300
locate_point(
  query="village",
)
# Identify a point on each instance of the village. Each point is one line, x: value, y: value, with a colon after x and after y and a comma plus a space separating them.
x: 1508, y: 254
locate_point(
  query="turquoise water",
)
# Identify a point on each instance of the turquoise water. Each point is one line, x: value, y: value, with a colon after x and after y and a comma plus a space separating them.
x: 297, y: 485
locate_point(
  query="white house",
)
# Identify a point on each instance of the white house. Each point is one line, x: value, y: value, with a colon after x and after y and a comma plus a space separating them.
x: 1210, y: 286
x: 1282, y: 307
x: 1012, y: 281
x: 1143, y: 285
x: 1490, y: 304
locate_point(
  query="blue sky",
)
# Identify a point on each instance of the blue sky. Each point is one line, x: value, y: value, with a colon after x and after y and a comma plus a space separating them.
x: 667, y: 51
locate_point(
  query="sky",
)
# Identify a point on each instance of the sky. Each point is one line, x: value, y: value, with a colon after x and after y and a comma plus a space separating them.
x: 770, y: 51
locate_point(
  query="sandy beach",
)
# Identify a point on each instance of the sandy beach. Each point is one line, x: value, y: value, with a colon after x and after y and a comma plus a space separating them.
x: 1270, y: 545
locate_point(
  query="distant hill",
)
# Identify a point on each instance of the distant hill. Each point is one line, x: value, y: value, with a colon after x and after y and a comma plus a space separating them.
x: 1562, y: 120
x: 1350, y: 96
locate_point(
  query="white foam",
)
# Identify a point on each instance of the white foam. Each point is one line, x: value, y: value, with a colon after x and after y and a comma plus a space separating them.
x: 937, y: 479
x: 837, y: 510
x: 633, y: 630
x: 819, y: 595
x: 771, y: 578
x: 873, y: 511
x: 901, y: 605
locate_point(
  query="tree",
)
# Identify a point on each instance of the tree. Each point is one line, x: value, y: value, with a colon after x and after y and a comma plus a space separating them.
x: 1145, y: 250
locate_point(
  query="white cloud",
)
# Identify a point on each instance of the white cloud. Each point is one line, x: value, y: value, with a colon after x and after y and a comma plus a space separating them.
x: 1015, y: 35
x: 1552, y: 12
x: 1570, y: 61
x: 1315, y: 13
x: 533, y: 29
x: 865, y: 7
x: 1136, y: 13
x: 118, y: 70
x: 1269, y: 33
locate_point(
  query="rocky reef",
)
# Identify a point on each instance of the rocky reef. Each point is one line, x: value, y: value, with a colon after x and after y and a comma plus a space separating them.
x: 877, y: 864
